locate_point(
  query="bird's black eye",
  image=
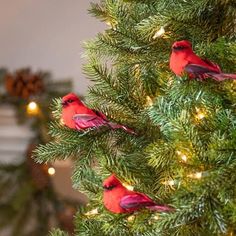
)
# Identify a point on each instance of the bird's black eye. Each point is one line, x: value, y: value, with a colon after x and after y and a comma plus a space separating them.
x: 70, y: 101
x: 179, y: 47
x: 109, y: 187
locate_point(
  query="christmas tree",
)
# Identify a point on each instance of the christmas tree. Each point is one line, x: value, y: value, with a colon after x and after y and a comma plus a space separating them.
x: 182, y: 152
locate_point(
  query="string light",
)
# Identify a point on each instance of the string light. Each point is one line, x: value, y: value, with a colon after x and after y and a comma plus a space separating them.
x: 129, y: 187
x: 62, y: 122
x: 131, y: 218
x: 92, y: 212
x: 231, y: 233
x: 108, y: 23
x: 200, y: 114
x: 197, y: 175
x: 159, y: 33
x: 182, y: 156
x: 149, y: 101
x: 51, y: 171
x: 170, y: 183
x: 156, y: 217
x: 170, y: 81
x: 32, y: 108
x: 137, y: 70
x: 112, y: 23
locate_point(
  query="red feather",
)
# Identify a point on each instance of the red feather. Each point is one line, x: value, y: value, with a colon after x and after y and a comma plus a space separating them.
x: 77, y: 116
x: 118, y: 199
x: 183, y: 59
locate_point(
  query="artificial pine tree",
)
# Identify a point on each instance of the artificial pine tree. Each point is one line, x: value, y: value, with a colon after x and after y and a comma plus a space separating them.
x: 184, y: 150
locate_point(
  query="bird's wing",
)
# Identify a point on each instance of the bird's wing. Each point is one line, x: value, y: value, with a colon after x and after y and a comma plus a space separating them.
x: 198, y: 69
x: 100, y: 114
x: 84, y: 121
x: 136, y: 200
x: 212, y: 64
x: 203, y: 72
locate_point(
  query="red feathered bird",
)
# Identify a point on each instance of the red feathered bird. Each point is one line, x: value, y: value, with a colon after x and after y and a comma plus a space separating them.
x: 183, y: 59
x: 76, y: 115
x: 118, y: 199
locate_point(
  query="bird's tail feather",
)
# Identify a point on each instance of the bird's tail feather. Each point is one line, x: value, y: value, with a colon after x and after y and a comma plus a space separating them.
x: 117, y: 126
x: 161, y: 208
x: 223, y: 76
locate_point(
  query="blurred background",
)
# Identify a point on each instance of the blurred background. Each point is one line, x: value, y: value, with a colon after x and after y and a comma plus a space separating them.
x: 40, y: 59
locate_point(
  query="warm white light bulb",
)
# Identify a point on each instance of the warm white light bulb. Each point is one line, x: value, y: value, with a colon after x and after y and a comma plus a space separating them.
x: 182, y: 156
x: 197, y: 175
x: 156, y: 217
x: 51, y: 171
x: 200, y: 115
x: 131, y: 218
x: 149, y: 101
x: 171, y: 182
x: 62, y: 122
x: 129, y: 187
x: 32, y: 108
x: 92, y: 212
x: 159, y: 33
x: 108, y: 23
x: 32, y: 105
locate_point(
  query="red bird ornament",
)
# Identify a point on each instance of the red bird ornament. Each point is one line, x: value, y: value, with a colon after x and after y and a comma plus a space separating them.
x: 118, y: 199
x: 183, y: 59
x: 76, y: 115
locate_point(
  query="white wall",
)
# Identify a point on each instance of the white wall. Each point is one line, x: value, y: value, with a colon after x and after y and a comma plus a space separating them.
x: 47, y: 34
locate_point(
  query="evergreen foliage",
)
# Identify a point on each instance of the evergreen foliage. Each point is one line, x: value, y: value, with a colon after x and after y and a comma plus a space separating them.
x: 184, y: 153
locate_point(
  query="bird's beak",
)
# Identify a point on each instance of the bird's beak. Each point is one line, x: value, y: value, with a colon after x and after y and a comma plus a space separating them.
x: 64, y: 104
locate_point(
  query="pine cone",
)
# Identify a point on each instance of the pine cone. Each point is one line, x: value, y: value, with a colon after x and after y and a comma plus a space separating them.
x: 23, y: 83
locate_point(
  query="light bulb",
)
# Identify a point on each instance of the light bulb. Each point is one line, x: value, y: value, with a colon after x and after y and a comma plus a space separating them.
x: 182, y: 156
x: 170, y: 183
x: 129, y: 187
x: 51, y: 171
x: 92, y: 212
x: 156, y: 217
x: 159, y: 33
x: 112, y: 23
x: 32, y: 108
x: 200, y: 114
x: 197, y: 175
x: 131, y: 218
x: 108, y: 23
x: 170, y: 81
x: 149, y: 101
x: 137, y: 71
x: 62, y: 122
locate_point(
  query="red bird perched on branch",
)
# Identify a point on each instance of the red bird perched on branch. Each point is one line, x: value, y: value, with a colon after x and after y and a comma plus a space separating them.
x: 118, y: 199
x: 76, y: 115
x: 183, y: 59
